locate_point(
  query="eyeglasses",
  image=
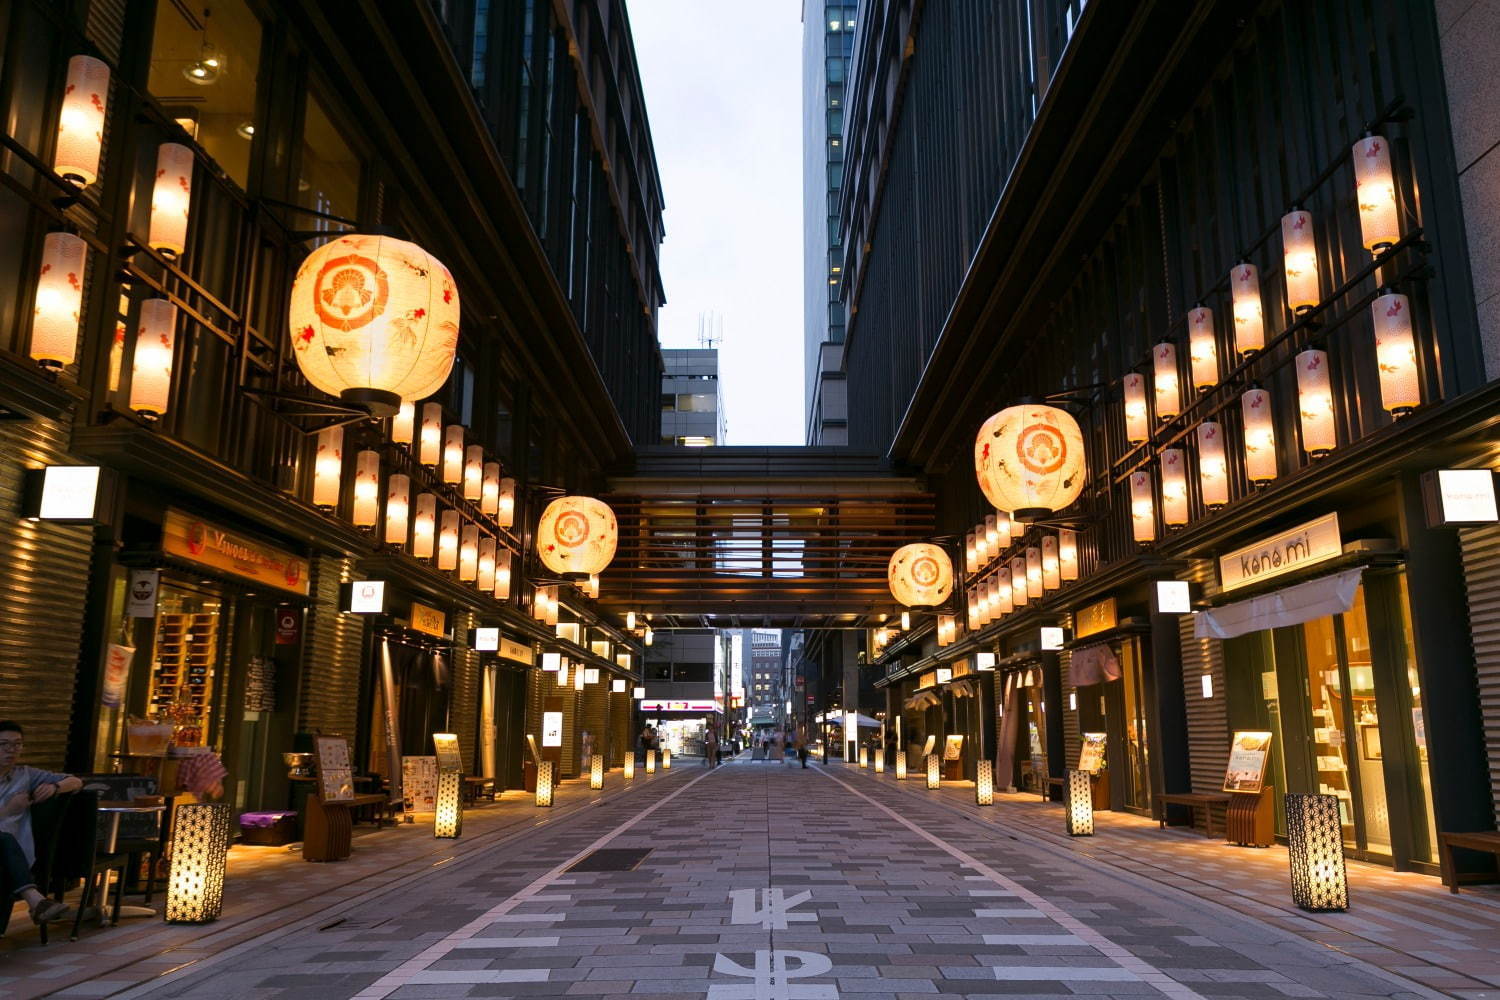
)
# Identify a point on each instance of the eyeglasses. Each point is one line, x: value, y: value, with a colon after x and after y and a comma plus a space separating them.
x: 10, y: 744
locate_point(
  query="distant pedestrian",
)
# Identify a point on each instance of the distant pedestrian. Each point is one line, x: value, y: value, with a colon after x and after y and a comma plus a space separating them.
x: 802, y: 750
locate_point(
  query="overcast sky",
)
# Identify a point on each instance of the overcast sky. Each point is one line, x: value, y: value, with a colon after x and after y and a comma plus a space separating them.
x: 723, y: 94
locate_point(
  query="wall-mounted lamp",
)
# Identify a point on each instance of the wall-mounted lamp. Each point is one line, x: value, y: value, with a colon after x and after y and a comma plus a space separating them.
x: 80, y: 121
x: 58, y: 302
x: 424, y: 526
x: 328, y: 468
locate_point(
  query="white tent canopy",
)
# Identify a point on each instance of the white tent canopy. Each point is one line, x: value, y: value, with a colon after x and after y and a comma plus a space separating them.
x: 1327, y: 595
x: 860, y: 720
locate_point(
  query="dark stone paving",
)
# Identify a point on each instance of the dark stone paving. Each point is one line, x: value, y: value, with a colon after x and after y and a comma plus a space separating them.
x: 932, y: 907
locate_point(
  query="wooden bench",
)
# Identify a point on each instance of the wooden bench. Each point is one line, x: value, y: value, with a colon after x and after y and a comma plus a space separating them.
x: 1487, y: 842
x: 1194, y: 801
x: 378, y: 804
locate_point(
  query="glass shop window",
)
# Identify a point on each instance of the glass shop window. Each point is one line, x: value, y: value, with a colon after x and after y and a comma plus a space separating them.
x: 205, y: 64
x: 328, y: 171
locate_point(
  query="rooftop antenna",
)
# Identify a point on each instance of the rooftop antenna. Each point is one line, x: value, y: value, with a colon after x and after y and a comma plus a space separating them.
x: 710, y: 330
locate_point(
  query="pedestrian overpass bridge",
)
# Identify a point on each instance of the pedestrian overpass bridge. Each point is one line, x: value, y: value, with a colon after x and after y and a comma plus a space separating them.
x: 771, y: 537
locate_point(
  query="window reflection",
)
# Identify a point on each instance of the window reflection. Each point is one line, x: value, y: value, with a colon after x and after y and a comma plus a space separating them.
x: 204, y: 68
x: 328, y: 172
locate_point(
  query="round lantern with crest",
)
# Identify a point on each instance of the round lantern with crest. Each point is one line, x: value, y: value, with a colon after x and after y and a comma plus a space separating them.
x: 920, y: 575
x: 1029, y: 460
x: 576, y: 537
x: 374, y: 321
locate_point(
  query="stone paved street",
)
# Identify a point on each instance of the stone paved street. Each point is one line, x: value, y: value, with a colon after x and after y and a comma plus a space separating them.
x: 762, y: 881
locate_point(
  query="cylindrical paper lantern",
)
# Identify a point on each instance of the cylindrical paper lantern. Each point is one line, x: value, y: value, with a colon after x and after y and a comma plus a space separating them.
x: 1396, y: 354
x: 486, y: 578
x: 1299, y: 254
x: 473, y: 472
x: 1375, y: 190
x: 59, y: 301
x: 468, y: 554
x: 971, y: 553
x: 920, y: 575
x: 403, y: 424
x: 1315, y: 403
x: 1165, y: 382
x: 374, y: 320
x: 1142, y: 507
x: 982, y: 552
x: 366, y: 489
x: 1029, y: 460
x: 489, y: 492
x: 424, y: 526
x: 1213, y: 467
x: 453, y: 454
x: 1033, y: 571
x: 507, y: 513
x: 397, y: 503
x: 430, y: 451
x: 1051, y: 569
x: 1002, y: 599
x: 328, y: 468
x: 151, y: 371
x: 171, y: 199
x: 577, y: 536
x: 502, y: 574
x: 1249, y: 319
x: 1067, y: 554
x: 992, y: 540
x: 1137, y: 416
x: 1018, y: 592
x: 1174, y: 496
x: 447, y: 551
x: 1260, y: 436
x: 1203, y: 349
x: 80, y: 122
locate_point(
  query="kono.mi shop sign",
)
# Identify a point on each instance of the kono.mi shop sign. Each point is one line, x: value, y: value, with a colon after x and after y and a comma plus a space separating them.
x: 1305, y: 545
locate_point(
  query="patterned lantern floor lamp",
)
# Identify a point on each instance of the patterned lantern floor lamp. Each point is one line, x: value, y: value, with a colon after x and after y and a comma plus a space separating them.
x: 1315, y: 848
x: 984, y: 783
x: 880, y: 760
x: 449, y: 818
x: 596, y: 771
x: 195, y: 884
x: 1080, y: 804
x: 934, y: 771
x: 544, y: 783
x: 900, y: 765
x: 630, y: 766
x: 666, y: 758
x: 864, y: 756
x: 650, y: 761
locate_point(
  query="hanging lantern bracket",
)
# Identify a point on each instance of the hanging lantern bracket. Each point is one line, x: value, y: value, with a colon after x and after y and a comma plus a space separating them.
x: 288, y: 404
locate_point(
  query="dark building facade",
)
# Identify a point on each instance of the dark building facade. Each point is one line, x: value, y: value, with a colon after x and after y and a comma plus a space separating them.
x: 1085, y: 212
x: 510, y: 142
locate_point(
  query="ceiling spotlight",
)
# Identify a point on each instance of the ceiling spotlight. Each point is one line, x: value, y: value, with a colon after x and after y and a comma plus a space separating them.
x: 246, y: 130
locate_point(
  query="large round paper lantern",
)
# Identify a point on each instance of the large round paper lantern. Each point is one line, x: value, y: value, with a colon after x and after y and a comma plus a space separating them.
x: 921, y: 575
x: 577, y: 536
x: 1029, y: 460
x: 374, y: 321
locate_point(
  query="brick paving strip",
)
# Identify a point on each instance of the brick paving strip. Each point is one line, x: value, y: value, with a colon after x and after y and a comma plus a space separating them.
x: 772, y: 883
x: 1404, y: 923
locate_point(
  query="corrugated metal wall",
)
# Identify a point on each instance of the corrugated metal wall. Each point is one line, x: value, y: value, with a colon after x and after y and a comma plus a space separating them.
x: 1481, y: 549
x: 333, y: 652
x: 43, y: 590
x: 1072, y: 741
x: 1207, y: 718
x: 594, y: 716
x: 463, y: 709
x: 621, y: 739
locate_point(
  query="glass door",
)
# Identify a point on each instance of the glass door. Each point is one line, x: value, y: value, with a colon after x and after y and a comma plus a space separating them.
x: 1136, y: 771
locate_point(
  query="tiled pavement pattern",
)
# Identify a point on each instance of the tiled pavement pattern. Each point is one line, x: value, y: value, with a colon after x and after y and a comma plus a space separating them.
x: 925, y: 903
x: 1404, y: 922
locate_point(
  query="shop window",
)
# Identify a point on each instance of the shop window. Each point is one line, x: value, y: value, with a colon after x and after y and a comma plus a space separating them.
x: 205, y: 64
x: 328, y: 171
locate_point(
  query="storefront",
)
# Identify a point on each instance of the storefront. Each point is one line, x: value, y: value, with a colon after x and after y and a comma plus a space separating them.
x: 1318, y: 650
x: 682, y: 725
x: 1021, y: 724
x: 205, y: 624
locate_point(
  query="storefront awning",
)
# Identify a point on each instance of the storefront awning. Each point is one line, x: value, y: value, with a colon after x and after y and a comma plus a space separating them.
x: 923, y: 699
x: 966, y: 687
x: 1093, y: 665
x: 1327, y: 595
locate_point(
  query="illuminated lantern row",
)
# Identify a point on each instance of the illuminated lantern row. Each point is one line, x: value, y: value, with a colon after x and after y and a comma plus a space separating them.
x: 576, y: 536
x: 443, y: 451
x: 920, y: 575
x: 1029, y: 460
x: 374, y: 321
x: 80, y: 121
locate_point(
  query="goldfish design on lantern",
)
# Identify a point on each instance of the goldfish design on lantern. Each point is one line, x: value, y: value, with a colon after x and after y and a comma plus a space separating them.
x: 920, y: 575
x: 374, y: 321
x: 577, y: 536
x: 1029, y: 460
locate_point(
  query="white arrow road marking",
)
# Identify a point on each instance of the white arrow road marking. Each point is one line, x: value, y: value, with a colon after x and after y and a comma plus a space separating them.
x: 772, y: 977
x: 773, y: 913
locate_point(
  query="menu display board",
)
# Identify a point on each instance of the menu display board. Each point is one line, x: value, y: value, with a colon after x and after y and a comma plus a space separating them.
x: 953, y: 747
x: 1247, y: 761
x: 419, y: 781
x: 448, y: 756
x: 335, y: 775
x: 552, y: 726
x: 1091, y: 754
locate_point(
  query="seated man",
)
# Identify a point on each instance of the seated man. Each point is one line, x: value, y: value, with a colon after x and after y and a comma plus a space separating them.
x: 21, y: 786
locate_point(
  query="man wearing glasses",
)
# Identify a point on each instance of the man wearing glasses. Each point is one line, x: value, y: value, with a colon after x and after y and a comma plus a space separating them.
x: 21, y: 787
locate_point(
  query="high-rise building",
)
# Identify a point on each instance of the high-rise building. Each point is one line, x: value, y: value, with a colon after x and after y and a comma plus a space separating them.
x: 827, y: 39
x: 692, y: 407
